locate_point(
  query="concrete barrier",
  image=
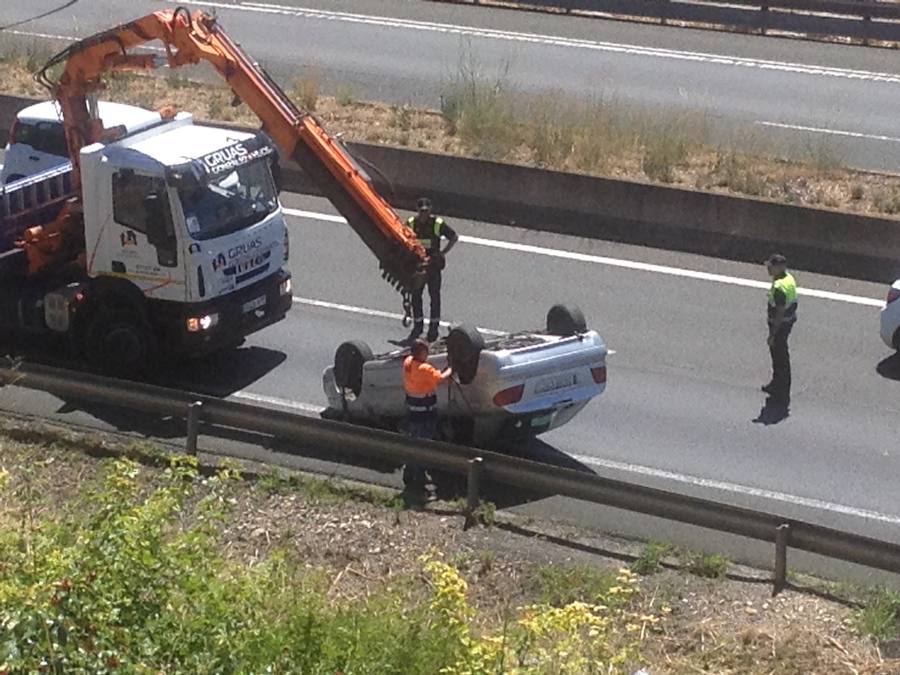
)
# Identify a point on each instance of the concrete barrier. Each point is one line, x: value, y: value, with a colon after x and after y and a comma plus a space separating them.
x: 819, y: 240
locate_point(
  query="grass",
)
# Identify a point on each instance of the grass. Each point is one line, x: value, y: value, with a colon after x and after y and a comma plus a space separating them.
x: 706, y: 565
x: 306, y: 89
x: 880, y: 615
x: 561, y: 584
x: 651, y: 558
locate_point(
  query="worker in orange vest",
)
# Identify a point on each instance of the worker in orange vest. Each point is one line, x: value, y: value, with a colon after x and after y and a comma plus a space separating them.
x: 420, y: 382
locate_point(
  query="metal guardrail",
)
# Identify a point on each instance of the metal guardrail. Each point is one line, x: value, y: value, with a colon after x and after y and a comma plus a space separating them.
x: 813, y: 18
x: 530, y: 476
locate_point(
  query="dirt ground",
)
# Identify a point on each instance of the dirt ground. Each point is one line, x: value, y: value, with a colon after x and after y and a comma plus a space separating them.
x: 354, y: 536
x: 650, y: 157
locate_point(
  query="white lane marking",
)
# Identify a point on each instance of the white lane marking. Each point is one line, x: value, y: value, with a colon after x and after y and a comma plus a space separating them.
x: 738, y: 489
x: 70, y: 38
x: 555, y: 41
x: 279, y: 402
x: 365, y: 311
x: 832, y: 132
x: 626, y: 264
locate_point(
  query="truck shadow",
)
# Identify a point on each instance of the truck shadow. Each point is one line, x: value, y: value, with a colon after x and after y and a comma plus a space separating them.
x: 222, y: 374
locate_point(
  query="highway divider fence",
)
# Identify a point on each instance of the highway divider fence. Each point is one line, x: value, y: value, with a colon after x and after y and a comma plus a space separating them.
x: 818, y: 240
x: 864, y: 20
x: 209, y: 413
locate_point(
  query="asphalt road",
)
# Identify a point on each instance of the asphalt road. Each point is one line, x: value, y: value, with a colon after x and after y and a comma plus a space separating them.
x: 801, y: 98
x: 682, y: 409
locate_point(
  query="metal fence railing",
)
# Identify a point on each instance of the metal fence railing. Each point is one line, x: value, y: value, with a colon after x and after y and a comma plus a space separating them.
x: 529, y: 476
x: 865, y: 20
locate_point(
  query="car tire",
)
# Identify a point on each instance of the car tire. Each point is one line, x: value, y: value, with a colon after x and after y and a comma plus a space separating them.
x: 464, y: 345
x: 119, y: 342
x: 349, y: 360
x: 565, y: 320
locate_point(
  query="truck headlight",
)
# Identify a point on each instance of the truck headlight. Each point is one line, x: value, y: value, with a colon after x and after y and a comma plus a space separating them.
x: 195, y: 324
x: 285, y: 287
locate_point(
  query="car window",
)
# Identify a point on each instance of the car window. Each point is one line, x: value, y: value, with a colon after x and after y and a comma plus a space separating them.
x: 49, y: 137
x: 129, y: 205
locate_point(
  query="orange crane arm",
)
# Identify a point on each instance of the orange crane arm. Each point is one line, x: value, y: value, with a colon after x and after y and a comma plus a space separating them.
x: 191, y: 38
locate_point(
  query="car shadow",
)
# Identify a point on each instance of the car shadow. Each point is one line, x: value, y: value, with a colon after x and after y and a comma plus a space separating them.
x: 772, y: 412
x: 889, y: 368
x: 505, y: 496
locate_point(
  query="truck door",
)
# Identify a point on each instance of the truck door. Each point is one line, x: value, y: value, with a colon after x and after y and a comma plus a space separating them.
x: 141, y: 239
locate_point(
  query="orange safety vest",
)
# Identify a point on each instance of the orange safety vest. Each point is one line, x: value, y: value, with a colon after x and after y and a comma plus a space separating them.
x: 420, y: 378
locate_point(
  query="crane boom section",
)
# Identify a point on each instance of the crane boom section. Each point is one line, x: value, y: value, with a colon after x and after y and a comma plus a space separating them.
x: 191, y: 38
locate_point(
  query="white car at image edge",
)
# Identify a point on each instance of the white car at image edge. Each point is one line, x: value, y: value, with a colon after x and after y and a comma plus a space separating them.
x: 890, y: 318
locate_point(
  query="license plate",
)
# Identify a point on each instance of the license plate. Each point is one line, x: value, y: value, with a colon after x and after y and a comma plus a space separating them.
x: 256, y: 303
x: 555, y: 382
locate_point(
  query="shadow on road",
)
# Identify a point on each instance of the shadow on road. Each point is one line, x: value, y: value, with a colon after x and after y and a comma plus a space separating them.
x: 221, y: 374
x: 890, y: 367
x: 772, y: 412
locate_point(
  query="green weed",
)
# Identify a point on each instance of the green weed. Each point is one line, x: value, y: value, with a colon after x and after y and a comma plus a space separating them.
x: 707, y: 565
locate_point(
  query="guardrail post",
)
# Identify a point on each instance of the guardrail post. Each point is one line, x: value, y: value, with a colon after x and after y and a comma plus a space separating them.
x: 473, y: 485
x: 782, y: 538
x: 193, y: 427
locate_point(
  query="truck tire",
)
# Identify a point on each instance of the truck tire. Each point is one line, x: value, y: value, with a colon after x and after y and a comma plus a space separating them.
x: 119, y: 342
x: 464, y: 345
x: 349, y: 360
x: 565, y: 320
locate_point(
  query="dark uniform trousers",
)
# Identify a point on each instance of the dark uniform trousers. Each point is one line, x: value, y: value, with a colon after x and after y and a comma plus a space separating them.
x: 781, y: 362
x: 423, y: 423
x: 433, y: 281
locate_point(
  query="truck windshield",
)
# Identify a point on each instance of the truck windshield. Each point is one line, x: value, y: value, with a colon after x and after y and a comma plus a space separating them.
x: 231, y: 202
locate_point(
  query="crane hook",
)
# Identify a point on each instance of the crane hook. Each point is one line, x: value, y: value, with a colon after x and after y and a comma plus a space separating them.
x: 407, y: 308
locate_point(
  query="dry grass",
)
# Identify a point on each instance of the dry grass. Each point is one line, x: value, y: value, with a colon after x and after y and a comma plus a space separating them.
x: 482, y: 117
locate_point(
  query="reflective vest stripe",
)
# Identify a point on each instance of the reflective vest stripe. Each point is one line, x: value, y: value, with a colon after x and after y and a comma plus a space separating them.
x: 426, y: 242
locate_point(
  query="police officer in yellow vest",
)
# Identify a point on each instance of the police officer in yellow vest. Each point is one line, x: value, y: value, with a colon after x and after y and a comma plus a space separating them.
x: 782, y: 313
x: 429, y: 231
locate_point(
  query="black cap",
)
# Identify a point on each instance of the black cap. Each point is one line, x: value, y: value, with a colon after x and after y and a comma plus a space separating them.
x: 423, y: 204
x: 776, y: 259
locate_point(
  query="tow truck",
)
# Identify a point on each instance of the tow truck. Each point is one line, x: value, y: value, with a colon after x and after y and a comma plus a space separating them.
x: 171, y: 238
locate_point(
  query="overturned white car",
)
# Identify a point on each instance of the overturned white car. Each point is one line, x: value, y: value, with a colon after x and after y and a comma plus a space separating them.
x: 512, y: 386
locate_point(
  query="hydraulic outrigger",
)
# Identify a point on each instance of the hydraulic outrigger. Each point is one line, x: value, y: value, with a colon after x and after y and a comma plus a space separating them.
x: 188, y: 39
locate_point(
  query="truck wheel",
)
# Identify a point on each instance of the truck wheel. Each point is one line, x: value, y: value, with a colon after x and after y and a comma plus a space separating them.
x: 119, y: 342
x: 565, y: 320
x: 464, y: 345
x: 348, y: 365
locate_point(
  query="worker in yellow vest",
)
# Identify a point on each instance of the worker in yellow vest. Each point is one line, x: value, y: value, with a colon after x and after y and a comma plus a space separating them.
x: 782, y: 313
x: 429, y: 231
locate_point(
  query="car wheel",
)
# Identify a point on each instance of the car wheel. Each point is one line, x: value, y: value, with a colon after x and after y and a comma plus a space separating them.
x: 119, y: 342
x: 464, y: 345
x: 348, y: 365
x: 565, y: 320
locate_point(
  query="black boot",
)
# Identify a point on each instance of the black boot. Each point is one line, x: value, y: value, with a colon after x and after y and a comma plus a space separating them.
x: 416, y: 331
x: 433, y: 330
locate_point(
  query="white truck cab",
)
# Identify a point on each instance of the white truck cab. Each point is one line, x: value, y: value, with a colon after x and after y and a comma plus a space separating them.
x: 37, y: 141
x: 183, y: 251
